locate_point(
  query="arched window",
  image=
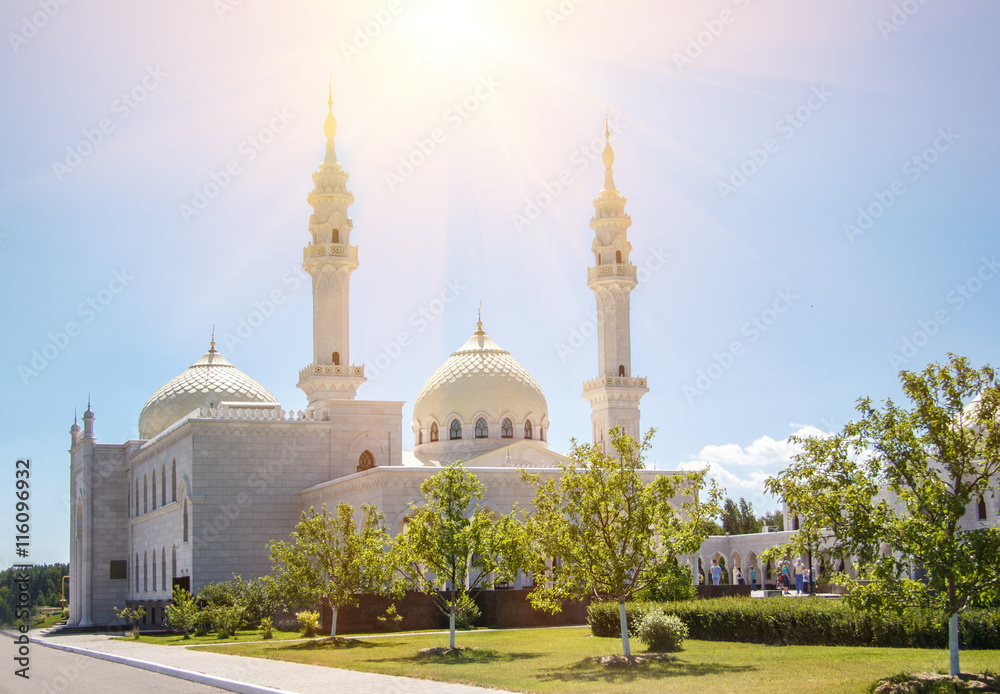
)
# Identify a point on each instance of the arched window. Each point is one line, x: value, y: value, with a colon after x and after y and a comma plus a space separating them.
x: 154, y: 570
x: 482, y: 429
x: 456, y: 429
x: 145, y: 496
x: 163, y: 485
x: 136, y: 572
x: 366, y: 461
x: 163, y: 568
x: 981, y: 508
x: 185, y: 520
x: 541, y: 433
x: 335, y: 235
x: 618, y: 257
x: 336, y: 358
x: 173, y: 562
x: 137, y: 496
x: 527, y: 428
x: 173, y: 480
x: 621, y: 369
x: 506, y: 429
x: 434, y: 432
x: 420, y: 437
x: 795, y: 522
x: 154, y: 490
x: 145, y: 574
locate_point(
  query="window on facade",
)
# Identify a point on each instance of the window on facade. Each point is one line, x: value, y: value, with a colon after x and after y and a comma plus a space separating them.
x: 621, y: 369
x: 420, y: 437
x: 173, y: 562
x: 154, y: 570
x: 527, y: 429
x: 145, y: 496
x: 163, y: 568
x: 434, y: 431
x: 173, y: 480
x: 136, y: 572
x: 335, y: 235
x: 184, y: 521
x: 541, y: 434
x: 618, y: 256
x: 336, y: 358
x: 145, y: 574
x: 119, y: 569
x: 366, y: 461
x: 163, y: 485
x: 981, y: 508
x: 482, y: 429
x: 506, y: 429
x: 154, y: 490
x: 456, y: 429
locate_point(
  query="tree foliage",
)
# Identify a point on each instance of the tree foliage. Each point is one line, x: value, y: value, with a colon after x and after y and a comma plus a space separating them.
x: 611, y: 533
x: 330, y: 561
x: 451, y: 545
x: 892, y: 488
x: 739, y: 518
x: 182, y: 612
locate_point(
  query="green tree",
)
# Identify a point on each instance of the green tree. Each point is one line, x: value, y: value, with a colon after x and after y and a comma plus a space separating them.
x: 132, y: 615
x: 739, y: 519
x: 451, y: 545
x: 610, y: 533
x: 331, y: 562
x: 182, y: 612
x: 773, y: 518
x: 892, y: 488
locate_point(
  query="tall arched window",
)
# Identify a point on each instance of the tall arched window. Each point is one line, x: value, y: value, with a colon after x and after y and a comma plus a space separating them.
x: 173, y: 562
x: 434, y: 431
x: 541, y: 433
x: 621, y: 369
x: 366, y: 461
x: 618, y: 257
x: 506, y: 429
x: 136, y: 572
x: 981, y: 508
x: 456, y: 429
x: 420, y: 436
x: 163, y: 485
x: 336, y: 358
x: 154, y: 569
x: 154, y: 490
x: 145, y: 574
x: 145, y: 496
x: 185, y: 520
x: 137, y: 496
x: 173, y: 480
x: 527, y: 428
x: 163, y: 568
x: 482, y: 429
x: 335, y: 235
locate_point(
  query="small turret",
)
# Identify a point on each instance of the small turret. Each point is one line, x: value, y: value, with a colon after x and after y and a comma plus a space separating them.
x: 74, y: 432
x: 88, y: 422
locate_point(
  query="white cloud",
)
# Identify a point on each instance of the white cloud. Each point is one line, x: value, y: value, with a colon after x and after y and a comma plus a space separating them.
x: 729, y: 463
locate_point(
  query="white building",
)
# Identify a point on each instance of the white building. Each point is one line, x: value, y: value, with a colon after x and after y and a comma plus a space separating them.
x: 221, y: 468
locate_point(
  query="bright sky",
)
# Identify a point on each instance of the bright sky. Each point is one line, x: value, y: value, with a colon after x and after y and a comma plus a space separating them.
x: 813, y: 189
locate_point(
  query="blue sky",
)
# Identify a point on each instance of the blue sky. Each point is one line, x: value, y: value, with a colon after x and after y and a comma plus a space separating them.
x: 813, y: 189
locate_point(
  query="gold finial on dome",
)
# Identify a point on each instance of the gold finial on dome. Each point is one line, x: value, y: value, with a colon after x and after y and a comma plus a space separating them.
x: 479, y: 320
x: 212, y: 346
x: 608, y: 156
x: 330, y: 125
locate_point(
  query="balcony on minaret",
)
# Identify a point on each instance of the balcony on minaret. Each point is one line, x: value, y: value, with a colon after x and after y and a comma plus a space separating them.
x: 622, y: 271
x: 335, y: 250
x: 332, y: 370
x: 615, y: 381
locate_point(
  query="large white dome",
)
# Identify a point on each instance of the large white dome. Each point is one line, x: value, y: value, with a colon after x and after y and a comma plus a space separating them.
x: 480, y: 381
x: 209, y: 381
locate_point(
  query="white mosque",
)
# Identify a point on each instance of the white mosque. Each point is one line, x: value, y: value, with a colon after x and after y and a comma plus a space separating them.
x: 221, y: 468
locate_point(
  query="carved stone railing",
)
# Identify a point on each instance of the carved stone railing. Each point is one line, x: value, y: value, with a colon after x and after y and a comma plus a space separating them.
x: 332, y: 370
x: 628, y: 381
x: 335, y: 250
x: 611, y: 270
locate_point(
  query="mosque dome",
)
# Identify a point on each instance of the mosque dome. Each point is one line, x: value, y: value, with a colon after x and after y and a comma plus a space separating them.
x: 480, y: 384
x: 209, y: 381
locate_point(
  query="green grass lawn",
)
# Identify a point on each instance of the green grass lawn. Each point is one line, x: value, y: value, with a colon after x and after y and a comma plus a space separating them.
x: 552, y: 660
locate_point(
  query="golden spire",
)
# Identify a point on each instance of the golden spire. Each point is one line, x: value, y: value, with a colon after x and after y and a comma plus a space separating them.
x: 608, y: 156
x: 212, y: 348
x: 329, y: 102
x: 479, y: 321
x: 607, y: 133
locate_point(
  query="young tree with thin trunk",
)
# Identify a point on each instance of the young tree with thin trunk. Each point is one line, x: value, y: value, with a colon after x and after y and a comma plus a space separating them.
x: 331, y: 562
x: 894, y: 491
x: 451, y: 546
x: 599, y: 530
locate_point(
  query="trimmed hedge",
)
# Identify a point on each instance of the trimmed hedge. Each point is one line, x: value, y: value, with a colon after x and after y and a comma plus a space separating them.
x: 805, y: 621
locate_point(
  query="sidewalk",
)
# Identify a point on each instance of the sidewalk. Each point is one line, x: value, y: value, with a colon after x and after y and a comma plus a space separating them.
x: 242, y: 674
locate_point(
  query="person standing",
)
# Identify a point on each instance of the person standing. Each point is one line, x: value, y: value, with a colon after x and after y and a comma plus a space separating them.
x: 753, y: 578
x: 800, y: 575
x: 785, y: 577
x: 739, y: 576
x: 716, y: 572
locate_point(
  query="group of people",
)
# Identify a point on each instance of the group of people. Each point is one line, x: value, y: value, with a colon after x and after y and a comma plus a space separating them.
x: 800, y: 573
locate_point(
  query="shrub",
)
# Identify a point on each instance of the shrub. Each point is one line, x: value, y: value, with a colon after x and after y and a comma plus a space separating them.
x: 267, y: 628
x: 309, y: 622
x: 466, y: 613
x: 391, y: 619
x: 132, y: 615
x: 662, y: 633
x: 227, y: 619
x: 604, y: 620
x: 182, y: 612
x: 672, y: 583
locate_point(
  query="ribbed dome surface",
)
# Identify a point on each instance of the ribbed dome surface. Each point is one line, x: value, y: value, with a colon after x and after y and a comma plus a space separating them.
x: 208, y: 381
x: 480, y: 377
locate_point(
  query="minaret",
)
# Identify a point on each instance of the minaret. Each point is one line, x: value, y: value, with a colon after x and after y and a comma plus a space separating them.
x: 330, y: 259
x: 614, y: 395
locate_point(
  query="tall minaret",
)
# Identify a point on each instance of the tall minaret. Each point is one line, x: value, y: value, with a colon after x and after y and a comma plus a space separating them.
x: 330, y: 259
x: 614, y: 395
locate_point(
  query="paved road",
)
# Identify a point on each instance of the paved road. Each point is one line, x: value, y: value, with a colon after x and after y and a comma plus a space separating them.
x: 59, y: 672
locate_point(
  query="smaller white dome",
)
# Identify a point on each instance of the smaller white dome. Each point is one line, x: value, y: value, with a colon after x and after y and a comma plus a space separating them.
x: 208, y: 382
